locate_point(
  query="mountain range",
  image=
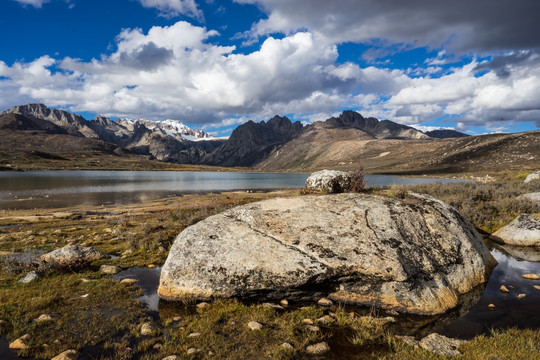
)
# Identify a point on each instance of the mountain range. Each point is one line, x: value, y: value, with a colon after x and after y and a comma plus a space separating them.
x: 274, y: 145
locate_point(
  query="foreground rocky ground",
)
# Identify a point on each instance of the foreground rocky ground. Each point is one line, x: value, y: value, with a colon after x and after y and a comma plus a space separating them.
x: 80, y: 307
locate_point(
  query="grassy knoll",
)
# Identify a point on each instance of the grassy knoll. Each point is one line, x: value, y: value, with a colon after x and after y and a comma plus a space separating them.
x: 102, y: 318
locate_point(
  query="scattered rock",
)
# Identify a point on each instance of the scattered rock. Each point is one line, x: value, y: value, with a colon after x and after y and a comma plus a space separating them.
x: 287, y: 346
x: 441, y: 345
x: 284, y: 302
x: 109, y: 269
x: 531, y: 276
x: 491, y: 306
x: 202, y: 305
x: 85, y: 280
x: 193, y: 335
x: 47, y: 318
x: 152, y: 266
x: 419, y: 255
x: 325, y: 302
x: 536, y: 287
x: 253, y: 325
x: 127, y: 253
x: 532, y: 176
x: 157, y: 346
x: 129, y: 281
x: 149, y: 328
x: 329, y: 181
x: 170, y: 357
x: 313, y: 328
x: 273, y: 306
x: 67, y: 355
x: 21, y: 343
x: 326, y: 319
x: 318, y: 349
x: 177, y: 318
x: 191, y: 351
x: 28, y: 278
x: 534, y: 197
x: 504, y: 289
x: 308, y: 321
x: 71, y: 254
x: 523, y: 231
x: 521, y: 296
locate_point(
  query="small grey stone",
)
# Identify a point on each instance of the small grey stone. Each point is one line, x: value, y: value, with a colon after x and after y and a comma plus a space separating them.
x: 193, y: 351
x: 148, y: 328
x: 202, y: 305
x: 129, y: 281
x: 318, y: 349
x: 326, y: 319
x: 109, y: 269
x: 194, y: 334
x: 313, y: 328
x: 67, y: 355
x: 47, y: 317
x: 441, y: 345
x: 170, y: 357
x: 273, y: 306
x: 287, y: 346
x: 28, y: 278
x: 253, y: 325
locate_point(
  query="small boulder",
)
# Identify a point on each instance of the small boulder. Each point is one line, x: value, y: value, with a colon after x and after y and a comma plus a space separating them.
x: 149, y: 328
x: 318, y: 349
x: 28, y: 278
x: 287, y: 346
x: 325, y: 302
x: 532, y: 176
x: 109, y: 269
x: 523, y: 231
x: 47, y: 318
x: 504, y: 289
x: 521, y: 296
x: 71, y: 254
x: 441, y: 345
x: 192, y: 351
x: 170, y: 357
x: 531, y: 276
x: 253, y: 325
x: 194, y: 335
x: 21, y: 343
x: 313, y: 328
x: 67, y: 355
x: 329, y: 181
x: 129, y: 281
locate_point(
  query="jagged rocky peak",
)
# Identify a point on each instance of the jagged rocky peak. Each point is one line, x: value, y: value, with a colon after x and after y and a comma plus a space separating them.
x: 41, y: 111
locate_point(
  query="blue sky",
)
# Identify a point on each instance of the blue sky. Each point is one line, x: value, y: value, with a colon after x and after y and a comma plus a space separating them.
x: 469, y: 66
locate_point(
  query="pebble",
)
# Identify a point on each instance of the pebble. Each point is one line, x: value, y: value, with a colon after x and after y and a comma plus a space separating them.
x: 170, y: 357
x: 202, y: 305
x: 491, y: 306
x: 308, y: 321
x: 46, y: 318
x: 177, y: 318
x: 273, y: 306
x: 193, y: 351
x: 287, y: 346
x: 148, y: 328
x: 441, y: 345
x: 318, y: 349
x: 531, y: 276
x: 195, y: 334
x: 326, y: 319
x: 28, y: 278
x: 521, y: 296
x: 253, y: 325
x: 109, y: 269
x: 157, y: 346
x: 325, y: 302
x: 152, y: 266
x: 20, y: 343
x: 504, y: 289
x: 536, y: 287
x: 129, y: 281
x: 85, y: 280
x: 67, y: 355
x: 284, y: 302
x: 313, y: 328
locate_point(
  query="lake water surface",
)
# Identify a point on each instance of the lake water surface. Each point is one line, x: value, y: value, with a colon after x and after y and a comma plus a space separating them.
x: 54, y: 189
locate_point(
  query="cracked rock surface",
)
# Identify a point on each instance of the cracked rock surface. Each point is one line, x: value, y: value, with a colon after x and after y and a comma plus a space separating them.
x: 416, y: 255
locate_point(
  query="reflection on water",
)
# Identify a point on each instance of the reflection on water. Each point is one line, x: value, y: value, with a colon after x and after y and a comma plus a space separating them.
x: 471, y: 318
x: 55, y: 189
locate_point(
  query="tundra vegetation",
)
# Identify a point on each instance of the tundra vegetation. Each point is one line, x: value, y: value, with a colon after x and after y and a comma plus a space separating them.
x: 102, y: 318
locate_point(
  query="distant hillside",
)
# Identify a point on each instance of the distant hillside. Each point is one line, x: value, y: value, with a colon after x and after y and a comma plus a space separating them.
x: 445, y: 134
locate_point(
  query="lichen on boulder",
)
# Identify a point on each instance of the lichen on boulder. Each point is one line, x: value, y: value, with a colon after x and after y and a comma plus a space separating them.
x: 416, y: 255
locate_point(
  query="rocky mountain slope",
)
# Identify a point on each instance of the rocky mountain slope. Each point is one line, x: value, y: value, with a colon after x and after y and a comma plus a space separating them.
x: 275, y: 145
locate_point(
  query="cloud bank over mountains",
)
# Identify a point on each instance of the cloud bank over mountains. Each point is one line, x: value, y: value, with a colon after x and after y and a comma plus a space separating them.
x: 486, y: 72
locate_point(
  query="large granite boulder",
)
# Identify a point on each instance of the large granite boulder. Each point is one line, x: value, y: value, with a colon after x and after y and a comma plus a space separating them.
x: 523, y: 231
x: 71, y: 254
x: 329, y: 181
x: 416, y: 255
